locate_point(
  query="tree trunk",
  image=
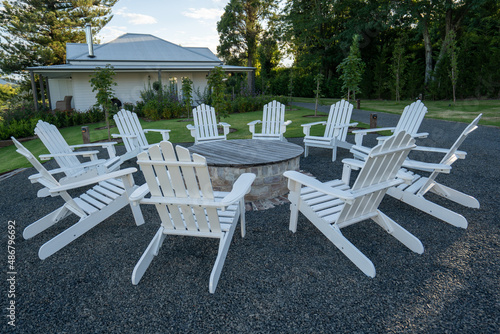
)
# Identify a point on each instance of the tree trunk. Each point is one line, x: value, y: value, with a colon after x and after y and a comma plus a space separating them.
x: 428, y: 54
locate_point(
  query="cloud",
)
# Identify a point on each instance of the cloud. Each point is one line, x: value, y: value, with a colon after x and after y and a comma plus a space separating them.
x: 136, y: 19
x: 109, y: 33
x: 204, y: 13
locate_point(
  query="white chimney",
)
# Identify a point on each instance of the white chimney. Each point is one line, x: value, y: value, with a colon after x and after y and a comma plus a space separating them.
x: 88, y: 35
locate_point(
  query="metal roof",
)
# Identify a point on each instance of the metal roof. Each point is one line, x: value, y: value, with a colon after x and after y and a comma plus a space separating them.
x: 139, y: 47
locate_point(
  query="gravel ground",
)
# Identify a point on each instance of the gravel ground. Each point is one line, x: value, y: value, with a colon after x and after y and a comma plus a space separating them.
x: 273, y: 281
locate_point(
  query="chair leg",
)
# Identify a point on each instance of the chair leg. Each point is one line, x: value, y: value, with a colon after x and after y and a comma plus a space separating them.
x: 332, y: 232
x: 43, y: 223
x: 334, y: 153
x: 242, y: 217
x: 224, y: 244
x: 84, y: 225
x: 148, y: 255
x: 455, y: 196
x: 306, y: 151
x: 429, y: 207
x: 394, y: 229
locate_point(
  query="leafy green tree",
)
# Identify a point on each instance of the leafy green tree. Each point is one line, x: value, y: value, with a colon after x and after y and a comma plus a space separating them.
x: 319, y: 79
x: 102, y: 82
x: 352, y: 68
x: 187, y: 93
x: 397, y: 67
x: 6, y: 93
x: 35, y: 32
x: 239, y: 31
x: 216, y: 80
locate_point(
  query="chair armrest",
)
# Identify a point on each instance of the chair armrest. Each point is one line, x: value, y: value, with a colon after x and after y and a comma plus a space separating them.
x: 83, y: 153
x: 356, y: 164
x: 164, y: 133
x: 317, y: 185
x: 103, y: 144
x: 254, y: 122
x: 287, y: 123
x: 403, y: 175
x: 426, y: 166
x: 358, y: 138
x: 93, y: 180
x: 139, y: 194
x: 459, y: 154
x: 117, y: 135
x: 110, y: 146
x: 226, y: 127
x: 421, y: 135
x: 241, y: 187
x: 306, y: 128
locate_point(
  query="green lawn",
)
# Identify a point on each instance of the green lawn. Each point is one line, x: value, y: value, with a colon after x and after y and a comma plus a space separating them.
x: 179, y: 133
x: 462, y: 111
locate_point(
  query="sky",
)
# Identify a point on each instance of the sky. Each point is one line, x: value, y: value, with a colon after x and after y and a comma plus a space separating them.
x: 183, y: 22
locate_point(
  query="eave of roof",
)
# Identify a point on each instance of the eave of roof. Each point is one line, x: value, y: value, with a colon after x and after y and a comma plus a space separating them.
x: 138, y: 68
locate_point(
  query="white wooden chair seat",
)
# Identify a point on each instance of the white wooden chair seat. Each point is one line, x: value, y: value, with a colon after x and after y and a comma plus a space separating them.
x: 108, y: 195
x: 333, y: 205
x: 336, y: 128
x: 181, y: 190
x: 273, y: 122
x: 205, y: 126
x: 132, y: 133
x: 67, y: 158
x: 410, y: 121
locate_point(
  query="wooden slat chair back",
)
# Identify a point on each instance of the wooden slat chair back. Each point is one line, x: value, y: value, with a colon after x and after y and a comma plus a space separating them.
x: 205, y: 125
x: 332, y: 205
x: 336, y: 129
x: 273, y: 122
x: 411, y: 118
x: 181, y: 191
x: 132, y: 133
x: 414, y: 193
x: 67, y: 158
x: 55, y: 143
x: 410, y: 122
x: 108, y: 195
x: 128, y: 125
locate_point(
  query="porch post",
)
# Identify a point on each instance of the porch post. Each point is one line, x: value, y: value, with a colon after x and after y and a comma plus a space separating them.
x: 48, y: 93
x: 33, y: 88
x: 159, y: 78
x: 42, y: 90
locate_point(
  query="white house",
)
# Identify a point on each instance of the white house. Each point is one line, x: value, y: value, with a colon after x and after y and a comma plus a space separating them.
x: 137, y: 59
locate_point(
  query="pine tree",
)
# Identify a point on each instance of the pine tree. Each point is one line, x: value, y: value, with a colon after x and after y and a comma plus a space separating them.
x: 35, y: 32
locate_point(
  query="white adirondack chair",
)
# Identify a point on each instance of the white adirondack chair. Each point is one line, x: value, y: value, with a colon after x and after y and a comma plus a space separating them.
x: 414, y: 194
x: 182, y: 192
x: 133, y: 134
x: 205, y: 125
x: 332, y: 205
x: 109, y: 195
x: 66, y: 157
x: 409, y: 122
x: 273, y: 122
x: 336, y: 129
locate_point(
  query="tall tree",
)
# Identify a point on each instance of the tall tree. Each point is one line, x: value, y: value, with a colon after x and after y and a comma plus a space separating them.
x: 352, y: 68
x: 35, y: 32
x: 239, y: 32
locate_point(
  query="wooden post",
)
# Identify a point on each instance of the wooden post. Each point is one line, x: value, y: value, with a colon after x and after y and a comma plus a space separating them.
x: 373, y: 121
x: 358, y: 104
x: 48, y: 93
x: 33, y: 88
x: 42, y: 90
x: 86, y: 134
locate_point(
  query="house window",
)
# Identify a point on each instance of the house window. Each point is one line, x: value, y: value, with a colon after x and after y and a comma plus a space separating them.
x: 173, y: 85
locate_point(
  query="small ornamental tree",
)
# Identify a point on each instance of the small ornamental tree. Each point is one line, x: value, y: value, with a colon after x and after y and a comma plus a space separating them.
x: 187, y: 93
x: 102, y: 83
x: 351, y: 69
x: 216, y: 82
x: 398, y: 65
x: 317, y: 91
